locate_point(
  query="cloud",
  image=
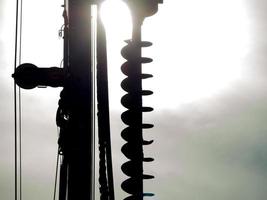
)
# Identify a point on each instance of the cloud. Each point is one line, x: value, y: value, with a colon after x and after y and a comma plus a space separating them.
x: 222, y: 161
x: 214, y: 148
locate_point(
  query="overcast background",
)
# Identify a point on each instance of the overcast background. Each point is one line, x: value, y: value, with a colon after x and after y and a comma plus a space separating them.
x: 210, y: 93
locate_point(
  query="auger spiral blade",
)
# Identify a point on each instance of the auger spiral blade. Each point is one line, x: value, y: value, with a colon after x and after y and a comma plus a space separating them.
x: 132, y: 100
x: 132, y: 117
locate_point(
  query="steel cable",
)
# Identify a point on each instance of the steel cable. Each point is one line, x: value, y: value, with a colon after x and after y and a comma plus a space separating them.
x: 17, y: 103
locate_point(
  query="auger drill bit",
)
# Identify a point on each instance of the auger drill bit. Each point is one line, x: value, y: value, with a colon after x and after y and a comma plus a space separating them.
x: 133, y: 116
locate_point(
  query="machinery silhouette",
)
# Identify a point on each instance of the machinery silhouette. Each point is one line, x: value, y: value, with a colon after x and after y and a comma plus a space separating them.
x: 75, y: 113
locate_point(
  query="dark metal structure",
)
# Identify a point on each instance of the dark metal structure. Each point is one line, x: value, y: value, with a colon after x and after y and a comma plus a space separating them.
x: 75, y: 111
x: 133, y: 117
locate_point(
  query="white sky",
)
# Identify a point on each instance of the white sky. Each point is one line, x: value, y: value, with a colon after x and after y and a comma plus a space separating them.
x: 209, y: 97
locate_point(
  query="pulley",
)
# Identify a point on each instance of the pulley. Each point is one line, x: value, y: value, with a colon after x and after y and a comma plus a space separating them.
x: 29, y: 76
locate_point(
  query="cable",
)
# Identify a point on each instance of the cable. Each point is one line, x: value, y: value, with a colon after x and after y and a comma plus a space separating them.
x: 56, y: 176
x: 18, y: 108
x: 105, y: 157
x: 15, y: 100
x: 20, y: 148
x: 93, y: 56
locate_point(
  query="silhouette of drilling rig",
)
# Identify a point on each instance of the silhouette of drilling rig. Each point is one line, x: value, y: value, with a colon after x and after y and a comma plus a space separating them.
x: 75, y: 107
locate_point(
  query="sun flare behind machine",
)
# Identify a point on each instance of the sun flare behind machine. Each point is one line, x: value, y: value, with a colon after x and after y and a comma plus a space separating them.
x: 75, y: 114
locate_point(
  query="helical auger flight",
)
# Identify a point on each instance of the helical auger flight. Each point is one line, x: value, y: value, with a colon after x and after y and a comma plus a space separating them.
x: 132, y: 100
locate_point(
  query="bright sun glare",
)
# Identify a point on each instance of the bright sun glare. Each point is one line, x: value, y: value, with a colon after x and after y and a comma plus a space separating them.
x: 206, y: 44
x: 211, y: 41
x: 202, y: 44
x: 117, y: 19
x: 198, y: 50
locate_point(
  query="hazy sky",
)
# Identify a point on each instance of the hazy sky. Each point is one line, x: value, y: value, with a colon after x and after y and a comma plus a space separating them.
x: 210, y: 94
